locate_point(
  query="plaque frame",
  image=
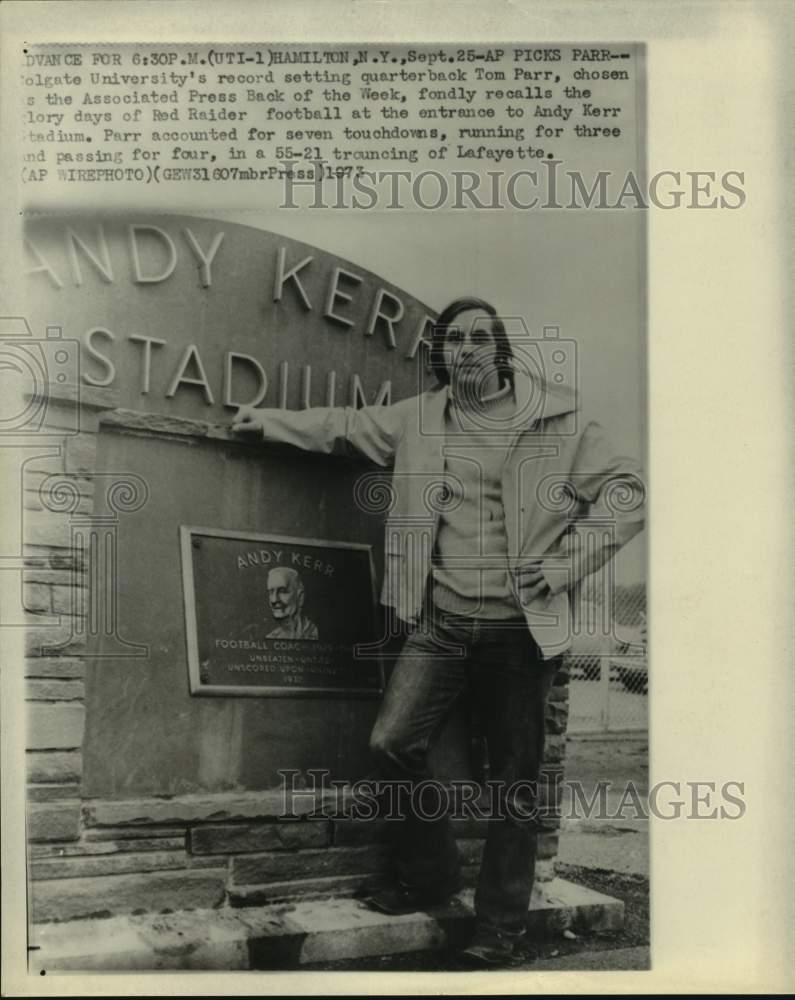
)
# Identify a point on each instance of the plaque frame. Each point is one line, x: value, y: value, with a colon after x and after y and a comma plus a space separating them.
x: 198, y: 687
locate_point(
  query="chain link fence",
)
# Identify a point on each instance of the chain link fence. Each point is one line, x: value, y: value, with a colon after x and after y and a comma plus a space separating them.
x: 608, y: 667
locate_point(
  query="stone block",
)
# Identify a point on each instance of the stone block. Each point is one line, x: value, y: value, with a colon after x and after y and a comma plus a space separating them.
x: 547, y: 845
x: 331, y: 930
x: 548, y: 810
x: 222, y: 807
x: 201, y: 940
x: 53, y: 820
x: 252, y: 837
x: 45, y: 484
x: 55, y: 577
x: 42, y: 557
x: 554, y: 748
x: 92, y: 399
x: 82, y: 501
x: 279, y: 866
x: 61, y: 416
x: 81, y: 453
x: 68, y: 599
x: 54, y: 766
x: 557, y: 905
x: 55, y: 725
x: 38, y: 619
x: 54, y: 690
x: 308, y: 888
x: 557, y: 716
x: 38, y: 468
x: 65, y: 667
x: 355, y: 832
x: 157, y: 423
x: 47, y: 528
x: 33, y: 476
x: 551, y: 785
x: 52, y: 500
x: 37, y: 597
x: 217, y: 943
x: 154, y: 892
x: 53, y: 792
x: 31, y: 500
x: 72, y: 559
x: 102, y: 834
x: 84, y: 848
x: 53, y: 639
x: 117, y: 863
x: 550, y: 775
x: 545, y: 869
x: 35, y: 557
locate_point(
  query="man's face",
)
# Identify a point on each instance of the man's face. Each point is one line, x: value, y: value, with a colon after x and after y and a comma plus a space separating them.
x: 283, y: 594
x: 469, y: 351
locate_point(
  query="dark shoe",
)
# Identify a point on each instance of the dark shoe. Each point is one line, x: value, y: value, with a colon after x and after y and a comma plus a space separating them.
x: 491, y: 947
x: 398, y: 898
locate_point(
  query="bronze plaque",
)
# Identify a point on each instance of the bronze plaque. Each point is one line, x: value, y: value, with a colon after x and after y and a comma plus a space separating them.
x: 268, y: 615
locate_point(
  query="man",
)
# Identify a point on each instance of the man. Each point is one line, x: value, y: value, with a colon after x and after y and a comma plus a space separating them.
x: 286, y: 600
x: 480, y: 571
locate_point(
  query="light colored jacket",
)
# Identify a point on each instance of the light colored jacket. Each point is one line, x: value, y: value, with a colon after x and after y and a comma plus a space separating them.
x: 570, y: 500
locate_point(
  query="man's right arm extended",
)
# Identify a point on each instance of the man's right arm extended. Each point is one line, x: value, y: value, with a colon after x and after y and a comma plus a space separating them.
x: 373, y: 431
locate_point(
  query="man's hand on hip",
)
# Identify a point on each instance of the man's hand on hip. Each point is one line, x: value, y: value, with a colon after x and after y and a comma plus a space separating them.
x: 532, y: 582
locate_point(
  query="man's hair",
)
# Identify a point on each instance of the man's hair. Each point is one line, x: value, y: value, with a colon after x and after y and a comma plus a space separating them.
x: 503, y: 355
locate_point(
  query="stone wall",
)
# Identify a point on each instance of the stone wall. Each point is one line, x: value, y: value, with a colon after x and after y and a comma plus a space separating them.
x: 56, y: 491
x: 222, y: 850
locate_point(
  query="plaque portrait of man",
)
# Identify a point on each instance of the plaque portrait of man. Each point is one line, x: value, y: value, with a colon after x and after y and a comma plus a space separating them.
x: 286, y: 600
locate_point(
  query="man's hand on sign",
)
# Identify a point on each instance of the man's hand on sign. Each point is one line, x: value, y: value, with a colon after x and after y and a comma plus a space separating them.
x: 532, y: 582
x: 247, y: 418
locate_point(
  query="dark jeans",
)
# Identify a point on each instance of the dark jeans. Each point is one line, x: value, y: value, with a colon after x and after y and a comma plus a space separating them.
x: 503, y: 670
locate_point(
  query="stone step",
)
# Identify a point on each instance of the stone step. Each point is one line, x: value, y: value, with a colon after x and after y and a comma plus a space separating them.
x: 290, y: 936
x: 317, y: 888
x: 258, y: 806
x: 270, y: 804
x: 308, y: 888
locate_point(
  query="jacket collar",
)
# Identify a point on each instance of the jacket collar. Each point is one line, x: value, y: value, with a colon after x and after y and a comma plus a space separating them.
x: 540, y: 400
x: 537, y: 400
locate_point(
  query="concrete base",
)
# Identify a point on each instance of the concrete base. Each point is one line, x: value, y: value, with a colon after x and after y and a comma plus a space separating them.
x: 293, y: 934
